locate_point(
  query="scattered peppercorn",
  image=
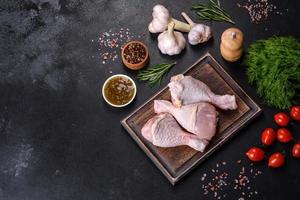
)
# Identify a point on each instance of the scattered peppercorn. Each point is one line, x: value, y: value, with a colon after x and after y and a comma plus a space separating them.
x: 134, y: 53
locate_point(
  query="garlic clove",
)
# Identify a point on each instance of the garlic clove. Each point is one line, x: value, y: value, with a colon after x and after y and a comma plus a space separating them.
x: 159, y: 11
x: 208, y: 33
x: 180, y: 42
x: 157, y: 26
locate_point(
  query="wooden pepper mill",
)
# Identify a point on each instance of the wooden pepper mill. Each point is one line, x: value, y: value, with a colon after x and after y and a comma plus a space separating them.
x: 232, y: 44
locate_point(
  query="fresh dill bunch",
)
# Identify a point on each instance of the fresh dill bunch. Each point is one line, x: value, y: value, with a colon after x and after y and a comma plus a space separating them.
x: 274, y: 68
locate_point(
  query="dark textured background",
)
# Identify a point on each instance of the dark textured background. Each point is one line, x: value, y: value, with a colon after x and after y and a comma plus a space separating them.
x: 58, y: 138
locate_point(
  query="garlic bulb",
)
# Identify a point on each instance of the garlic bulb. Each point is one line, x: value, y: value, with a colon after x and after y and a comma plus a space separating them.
x: 199, y: 33
x: 171, y: 42
x: 161, y: 19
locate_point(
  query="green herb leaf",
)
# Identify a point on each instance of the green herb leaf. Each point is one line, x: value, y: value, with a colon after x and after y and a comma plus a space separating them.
x: 211, y: 11
x: 274, y: 68
x: 155, y: 74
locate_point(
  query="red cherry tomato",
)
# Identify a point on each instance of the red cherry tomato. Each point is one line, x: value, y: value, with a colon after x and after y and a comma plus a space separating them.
x: 255, y: 154
x: 282, y: 119
x: 268, y: 136
x: 295, y: 113
x: 284, y: 135
x: 276, y: 160
x: 296, y: 150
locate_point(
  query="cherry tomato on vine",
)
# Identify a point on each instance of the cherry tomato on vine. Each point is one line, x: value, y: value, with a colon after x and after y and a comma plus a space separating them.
x: 268, y: 136
x: 296, y: 150
x: 255, y: 154
x: 282, y: 119
x: 276, y: 160
x: 295, y: 113
x: 284, y: 135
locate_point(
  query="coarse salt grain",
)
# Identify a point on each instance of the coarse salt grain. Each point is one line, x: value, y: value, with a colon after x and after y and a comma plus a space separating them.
x: 240, y: 182
x: 259, y: 10
x: 110, y: 43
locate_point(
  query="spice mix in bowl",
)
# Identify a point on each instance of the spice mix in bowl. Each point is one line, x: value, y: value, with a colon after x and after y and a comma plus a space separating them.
x: 135, y: 55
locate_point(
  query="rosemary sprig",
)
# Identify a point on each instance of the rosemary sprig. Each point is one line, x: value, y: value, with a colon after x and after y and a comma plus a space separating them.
x: 211, y: 12
x: 155, y: 74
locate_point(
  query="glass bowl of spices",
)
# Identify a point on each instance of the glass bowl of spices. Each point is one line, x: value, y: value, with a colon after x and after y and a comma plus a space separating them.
x: 119, y: 90
x: 135, y: 55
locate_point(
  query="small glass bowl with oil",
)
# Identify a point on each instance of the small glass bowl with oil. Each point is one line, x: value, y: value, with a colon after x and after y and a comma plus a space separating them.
x: 119, y: 90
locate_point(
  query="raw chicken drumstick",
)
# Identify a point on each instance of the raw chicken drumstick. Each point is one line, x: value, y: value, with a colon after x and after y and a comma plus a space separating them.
x: 162, y: 130
x: 187, y: 90
x: 200, y: 118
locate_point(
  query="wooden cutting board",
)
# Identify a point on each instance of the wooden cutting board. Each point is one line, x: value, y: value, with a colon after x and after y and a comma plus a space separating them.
x: 176, y: 162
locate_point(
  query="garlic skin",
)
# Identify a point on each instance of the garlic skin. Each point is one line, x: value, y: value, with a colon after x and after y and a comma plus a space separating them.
x: 171, y: 42
x: 199, y: 33
x: 161, y: 19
